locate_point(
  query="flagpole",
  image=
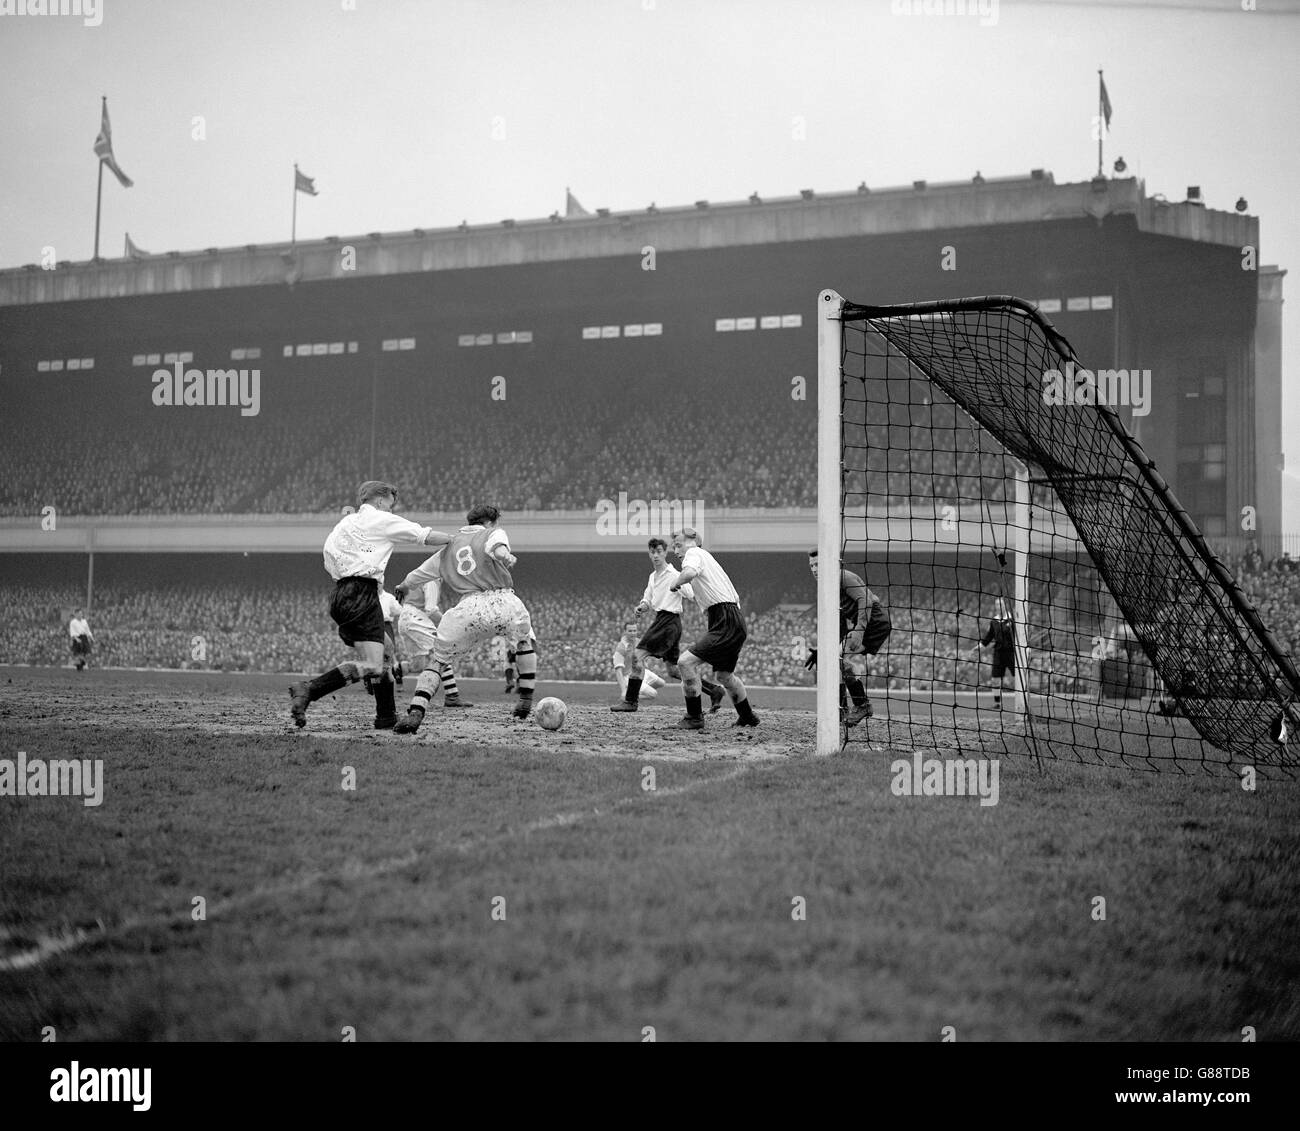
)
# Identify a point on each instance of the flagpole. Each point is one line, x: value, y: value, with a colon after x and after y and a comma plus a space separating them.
x: 99, y: 198
x: 1101, y: 120
x: 293, y: 238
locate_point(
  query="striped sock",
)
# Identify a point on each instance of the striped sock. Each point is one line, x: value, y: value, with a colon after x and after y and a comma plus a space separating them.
x: 449, y: 685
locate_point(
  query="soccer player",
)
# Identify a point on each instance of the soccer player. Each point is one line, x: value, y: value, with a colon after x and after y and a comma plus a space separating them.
x: 392, y: 609
x: 418, y: 623
x: 1001, y: 633
x: 663, y: 638
x: 864, y: 628
x: 625, y: 656
x: 475, y: 569
x: 80, y: 638
x: 721, y: 644
x: 355, y: 555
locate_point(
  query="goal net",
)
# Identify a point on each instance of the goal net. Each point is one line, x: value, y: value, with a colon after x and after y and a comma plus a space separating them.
x: 1048, y: 595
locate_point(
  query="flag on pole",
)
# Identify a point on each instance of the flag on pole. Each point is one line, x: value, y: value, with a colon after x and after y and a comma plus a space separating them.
x: 132, y: 251
x: 303, y: 183
x: 572, y: 207
x: 104, y: 149
x: 1105, y: 102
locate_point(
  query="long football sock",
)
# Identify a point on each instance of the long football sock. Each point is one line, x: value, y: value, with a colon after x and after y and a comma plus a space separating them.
x: 856, y: 691
x: 744, y: 710
x: 426, y: 687
x: 693, y: 707
x: 385, y: 696
x: 633, y: 689
x: 526, y: 659
x: 326, y: 683
x: 451, y: 689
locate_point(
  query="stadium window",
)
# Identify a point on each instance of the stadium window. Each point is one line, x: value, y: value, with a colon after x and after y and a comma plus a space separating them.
x: 724, y: 325
x: 153, y: 359
x: 654, y: 329
x: 590, y: 333
x: 1102, y: 302
x: 389, y: 345
x: 352, y: 347
x: 254, y: 353
x: 185, y: 357
x: 1213, y: 472
x: 406, y: 343
x: 87, y: 363
x: 238, y: 354
x: 770, y: 322
x: 56, y: 366
x: 42, y: 367
x: 791, y: 321
x: 506, y: 338
x: 304, y: 349
x: 609, y: 331
x: 1049, y: 305
x: 1216, y: 453
x: 523, y: 337
x: 746, y: 323
x: 288, y: 351
x: 483, y: 340
x: 138, y: 359
x: 320, y: 349
x: 74, y: 363
x: 465, y: 340
x: 169, y: 358
x: 633, y: 331
x: 1081, y: 303
x: 336, y: 347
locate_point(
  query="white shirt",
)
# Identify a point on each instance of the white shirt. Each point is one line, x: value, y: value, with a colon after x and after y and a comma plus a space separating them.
x: 711, y: 583
x: 424, y: 583
x: 77, y: 626
x: 361, y: 544
x: 657, y: 595
x: 391, y: 606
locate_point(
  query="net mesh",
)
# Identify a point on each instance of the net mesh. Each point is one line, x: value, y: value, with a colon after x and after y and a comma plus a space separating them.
x: 1137, y: 646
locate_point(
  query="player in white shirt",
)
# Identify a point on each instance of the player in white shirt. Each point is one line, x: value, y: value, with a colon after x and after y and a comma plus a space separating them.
x: 726, y: 635
x: 80, y: 639
x: 625, y: 657
x: 663, y: 638
x: 418, y: 623
x: 355, y: 555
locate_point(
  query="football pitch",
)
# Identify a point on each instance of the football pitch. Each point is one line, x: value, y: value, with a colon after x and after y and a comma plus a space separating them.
x: 243, y: 880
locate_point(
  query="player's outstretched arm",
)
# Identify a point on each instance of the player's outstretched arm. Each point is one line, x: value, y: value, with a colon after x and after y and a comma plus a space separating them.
x: 437, y: 538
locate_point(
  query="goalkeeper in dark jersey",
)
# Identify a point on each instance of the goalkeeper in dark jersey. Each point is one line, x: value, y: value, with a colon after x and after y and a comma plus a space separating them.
x: 864, y: 628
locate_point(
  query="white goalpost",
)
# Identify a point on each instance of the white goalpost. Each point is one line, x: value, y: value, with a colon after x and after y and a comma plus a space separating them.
x: 830, y: 736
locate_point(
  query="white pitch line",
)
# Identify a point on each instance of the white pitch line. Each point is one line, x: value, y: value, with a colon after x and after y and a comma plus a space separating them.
x: 63, y: 942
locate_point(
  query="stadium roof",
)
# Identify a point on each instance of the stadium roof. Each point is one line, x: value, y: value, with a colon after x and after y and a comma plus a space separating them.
x: 921, y: 206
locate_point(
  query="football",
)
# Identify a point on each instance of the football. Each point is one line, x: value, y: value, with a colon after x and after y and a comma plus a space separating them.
x: 550, y: 713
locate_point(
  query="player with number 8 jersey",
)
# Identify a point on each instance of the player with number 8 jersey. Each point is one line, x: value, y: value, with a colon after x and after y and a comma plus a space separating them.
x: 475, y: 574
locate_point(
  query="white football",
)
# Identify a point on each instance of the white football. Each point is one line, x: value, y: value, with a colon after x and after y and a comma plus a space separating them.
x: 550, y: 713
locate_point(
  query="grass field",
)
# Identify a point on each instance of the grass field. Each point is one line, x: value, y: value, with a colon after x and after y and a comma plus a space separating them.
x: 617, y: 907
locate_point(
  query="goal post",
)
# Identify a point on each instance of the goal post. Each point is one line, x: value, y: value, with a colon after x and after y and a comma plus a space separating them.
x: 966, y: 460
x: 830, y: 338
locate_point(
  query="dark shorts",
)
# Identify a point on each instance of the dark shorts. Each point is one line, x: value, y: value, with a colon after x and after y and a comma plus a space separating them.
x: 356, y: 610
x: 1004, y: 662
x: 721, y: 645
x: 81, y: 645
x: 663, y: 638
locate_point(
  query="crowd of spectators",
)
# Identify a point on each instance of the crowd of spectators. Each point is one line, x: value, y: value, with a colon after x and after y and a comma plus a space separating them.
x: 534, y: 450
